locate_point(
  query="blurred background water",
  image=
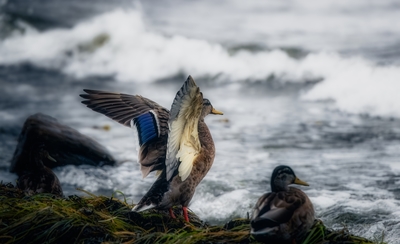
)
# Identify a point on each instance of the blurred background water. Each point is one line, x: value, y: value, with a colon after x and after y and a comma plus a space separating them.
x: 310, y: 84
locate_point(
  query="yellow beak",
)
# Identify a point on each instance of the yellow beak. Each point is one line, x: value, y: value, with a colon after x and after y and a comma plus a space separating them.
x: 300, y: 182
x: 214, y: 111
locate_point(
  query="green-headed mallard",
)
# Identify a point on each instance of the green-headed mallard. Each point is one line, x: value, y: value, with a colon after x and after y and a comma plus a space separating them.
x: 177, y: 142
x: 37, y: 178
x: 286, y: 213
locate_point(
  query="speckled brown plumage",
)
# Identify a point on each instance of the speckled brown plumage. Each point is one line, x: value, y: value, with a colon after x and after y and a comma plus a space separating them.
x: 285, y: 214
x: 168, y: 143
x: 182, y: 191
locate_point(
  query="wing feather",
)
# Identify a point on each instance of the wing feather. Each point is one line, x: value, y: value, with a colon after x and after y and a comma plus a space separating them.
x: 149, y: 118
x: 183, y: 141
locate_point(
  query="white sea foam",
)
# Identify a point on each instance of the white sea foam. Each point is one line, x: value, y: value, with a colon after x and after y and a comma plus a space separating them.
x: 315, y: 25
x: 131, y: 52
x: 323, y: 202
x: 356, y: 85
x: 222, y: 207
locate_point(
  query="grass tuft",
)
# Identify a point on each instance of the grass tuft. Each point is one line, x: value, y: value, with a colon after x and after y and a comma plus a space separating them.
x: 44, y: 218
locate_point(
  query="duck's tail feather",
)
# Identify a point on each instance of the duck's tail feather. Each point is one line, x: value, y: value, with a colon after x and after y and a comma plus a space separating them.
x: 143, y: 207
x: 154, y: 198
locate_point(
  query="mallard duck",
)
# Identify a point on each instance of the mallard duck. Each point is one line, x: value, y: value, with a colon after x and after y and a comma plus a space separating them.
x: 176, y: 143
x: 37, y: 178
x: 286, y: 213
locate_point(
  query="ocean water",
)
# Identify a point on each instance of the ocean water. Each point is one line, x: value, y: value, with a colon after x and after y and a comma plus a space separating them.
x: 310, y: 84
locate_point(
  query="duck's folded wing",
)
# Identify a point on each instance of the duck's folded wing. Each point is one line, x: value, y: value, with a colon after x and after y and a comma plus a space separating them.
x: 150, y: 119
x: 183, y: 141
x: 270, y: 211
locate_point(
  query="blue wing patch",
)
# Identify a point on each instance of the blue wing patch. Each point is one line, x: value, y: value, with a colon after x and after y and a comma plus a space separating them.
x: 147, y: 127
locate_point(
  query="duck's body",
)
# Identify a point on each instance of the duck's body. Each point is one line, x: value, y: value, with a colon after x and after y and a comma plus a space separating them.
x: 38, y: 178
x: 285, y: 214
x: 164, y: 194
x: 177, y: 142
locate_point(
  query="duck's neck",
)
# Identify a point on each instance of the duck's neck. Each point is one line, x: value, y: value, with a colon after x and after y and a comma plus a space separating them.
x: 205, y: 137
x: 277, y: 186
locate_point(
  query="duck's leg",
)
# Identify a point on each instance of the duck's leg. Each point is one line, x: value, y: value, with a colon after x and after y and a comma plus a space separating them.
x: 171, y: 213
x: 185, y: 214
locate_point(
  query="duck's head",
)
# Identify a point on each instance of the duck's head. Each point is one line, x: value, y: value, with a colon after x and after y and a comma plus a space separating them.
x: 282, y: 177
x: 209, y: 109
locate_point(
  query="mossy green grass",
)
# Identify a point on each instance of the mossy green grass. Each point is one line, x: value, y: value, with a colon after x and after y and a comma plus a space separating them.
x: 44, y: 218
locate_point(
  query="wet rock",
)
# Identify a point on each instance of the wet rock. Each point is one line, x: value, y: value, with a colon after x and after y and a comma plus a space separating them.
x: 64, y: 144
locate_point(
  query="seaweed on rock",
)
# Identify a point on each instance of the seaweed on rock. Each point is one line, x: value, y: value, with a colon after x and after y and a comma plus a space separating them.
x: 44, y: 218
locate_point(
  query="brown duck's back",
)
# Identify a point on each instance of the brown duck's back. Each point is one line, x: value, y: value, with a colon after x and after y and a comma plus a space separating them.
x: 295, y: 217
x: 303, y: 215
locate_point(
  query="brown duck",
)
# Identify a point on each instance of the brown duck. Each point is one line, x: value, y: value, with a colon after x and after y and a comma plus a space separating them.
x: 37, y: 178
x: 285, y: 214
x: 178, y: 142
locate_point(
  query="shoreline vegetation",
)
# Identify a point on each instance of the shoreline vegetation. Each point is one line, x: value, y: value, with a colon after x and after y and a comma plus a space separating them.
x: 44, y: 218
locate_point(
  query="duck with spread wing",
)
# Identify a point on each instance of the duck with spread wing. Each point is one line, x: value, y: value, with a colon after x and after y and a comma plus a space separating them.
x: 176, y: 143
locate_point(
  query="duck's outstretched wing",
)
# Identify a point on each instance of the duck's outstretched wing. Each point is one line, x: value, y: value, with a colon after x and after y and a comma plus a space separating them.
x: 150, y: 119
x: 183, y: 141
